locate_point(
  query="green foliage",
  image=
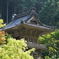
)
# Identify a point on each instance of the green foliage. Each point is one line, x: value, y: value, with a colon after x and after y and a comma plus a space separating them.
x: 1, y: 25
x: 8, y: 36
x: 15, y: 49
x: 50, y: 13
x: 51, y: 41
x: 53, y: 57
x: 27, y: 4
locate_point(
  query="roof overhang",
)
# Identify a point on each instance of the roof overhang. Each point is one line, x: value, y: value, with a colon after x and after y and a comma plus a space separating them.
x: 37, y: 30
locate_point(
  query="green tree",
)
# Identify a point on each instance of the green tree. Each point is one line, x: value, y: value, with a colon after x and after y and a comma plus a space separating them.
x: 15, y: 49
x: 51, y: 41
x: 50, y: 12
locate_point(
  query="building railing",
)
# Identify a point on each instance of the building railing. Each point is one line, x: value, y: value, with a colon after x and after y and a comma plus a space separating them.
x: 36, y: 45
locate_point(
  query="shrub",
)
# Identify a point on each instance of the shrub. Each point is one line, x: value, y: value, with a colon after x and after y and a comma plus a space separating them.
x: 51, y: 40
x: 15, y: 49
x: 2, y: 33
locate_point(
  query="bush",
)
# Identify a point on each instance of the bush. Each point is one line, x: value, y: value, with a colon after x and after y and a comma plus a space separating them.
x: 15, y: 49
x: 1, y: 23
x: 51, y: 40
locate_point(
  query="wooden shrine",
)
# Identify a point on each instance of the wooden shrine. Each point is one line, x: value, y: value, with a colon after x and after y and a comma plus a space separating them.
x: 28, y: 26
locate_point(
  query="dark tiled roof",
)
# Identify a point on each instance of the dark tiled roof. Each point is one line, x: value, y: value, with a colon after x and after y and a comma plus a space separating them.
x: 25, y: 17
x: 16, y: 22
x: 22, y: 15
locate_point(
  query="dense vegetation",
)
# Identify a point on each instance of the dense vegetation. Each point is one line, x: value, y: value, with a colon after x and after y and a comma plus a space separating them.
x: 50, y: 13
x: 1, y: 21
x: 52, y: 42
x: 15, y: 49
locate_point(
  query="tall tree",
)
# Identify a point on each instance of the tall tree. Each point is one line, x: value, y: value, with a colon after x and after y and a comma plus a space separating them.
x: 9, y: 7
x: 49, y: 13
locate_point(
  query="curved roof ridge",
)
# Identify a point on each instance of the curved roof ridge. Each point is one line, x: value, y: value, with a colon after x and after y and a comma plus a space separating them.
x: 31, y: 11
x: 22, y: 14
x: 52, y: 27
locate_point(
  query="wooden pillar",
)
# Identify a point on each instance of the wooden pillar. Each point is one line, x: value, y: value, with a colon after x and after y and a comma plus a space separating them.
x: 33, y: 40
x: 28, y: 39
